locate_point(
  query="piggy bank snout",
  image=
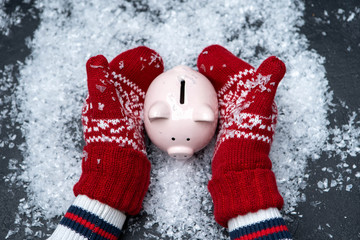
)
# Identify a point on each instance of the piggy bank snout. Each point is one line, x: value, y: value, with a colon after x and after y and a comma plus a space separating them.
x: 180, y: 152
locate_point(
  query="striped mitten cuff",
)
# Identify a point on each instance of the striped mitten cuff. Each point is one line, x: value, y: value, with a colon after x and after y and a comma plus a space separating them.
x: 261, y: 225
x: 89, y: 219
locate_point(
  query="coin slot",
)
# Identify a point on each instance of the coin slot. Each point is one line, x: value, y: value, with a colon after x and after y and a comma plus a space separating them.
x: 182, y: 92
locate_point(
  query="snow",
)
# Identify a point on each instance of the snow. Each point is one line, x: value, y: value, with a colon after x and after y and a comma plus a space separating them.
x: 349, y: 187
x: 345, y: 140
x: 178, y: 199
x: 351, y: 17
x: 52, y: 88
x: 347, y: 16
x: 9, y: 20
x: 343, y: 145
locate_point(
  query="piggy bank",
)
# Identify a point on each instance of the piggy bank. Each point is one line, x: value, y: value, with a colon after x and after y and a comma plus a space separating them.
x: 180, y: 112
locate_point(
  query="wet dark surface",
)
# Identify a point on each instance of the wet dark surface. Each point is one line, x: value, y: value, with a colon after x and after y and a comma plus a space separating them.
x: 12, y: 49
x: 324, y: 215
x: 334, y: 214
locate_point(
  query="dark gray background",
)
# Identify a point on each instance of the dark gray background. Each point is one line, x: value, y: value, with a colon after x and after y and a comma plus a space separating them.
x: 339, y: 211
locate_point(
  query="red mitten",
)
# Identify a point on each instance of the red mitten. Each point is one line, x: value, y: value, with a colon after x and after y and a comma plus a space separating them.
x: 115, y: 169
x: 242, y: 180
x: 116, y: 172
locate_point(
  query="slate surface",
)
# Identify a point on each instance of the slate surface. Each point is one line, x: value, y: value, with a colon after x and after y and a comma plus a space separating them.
x: 337, y: 214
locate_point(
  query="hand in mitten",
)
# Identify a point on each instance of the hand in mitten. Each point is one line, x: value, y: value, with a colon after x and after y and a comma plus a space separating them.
x: 243, y: 187
x: 115, y: 170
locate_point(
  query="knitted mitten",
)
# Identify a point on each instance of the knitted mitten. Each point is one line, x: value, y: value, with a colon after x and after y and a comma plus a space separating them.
x: 242, y: 181
x: 115, y: 170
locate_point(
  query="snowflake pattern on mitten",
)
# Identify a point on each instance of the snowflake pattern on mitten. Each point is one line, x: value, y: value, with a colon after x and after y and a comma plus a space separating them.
x: 237, y: 120
x: 118, y: 116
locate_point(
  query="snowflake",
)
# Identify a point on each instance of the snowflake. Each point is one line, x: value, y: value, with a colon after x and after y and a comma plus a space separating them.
x: 154, y: 58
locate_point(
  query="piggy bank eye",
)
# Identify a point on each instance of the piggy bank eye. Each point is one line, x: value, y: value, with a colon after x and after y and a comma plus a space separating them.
x: 173, y: 138
x: 188, y: 139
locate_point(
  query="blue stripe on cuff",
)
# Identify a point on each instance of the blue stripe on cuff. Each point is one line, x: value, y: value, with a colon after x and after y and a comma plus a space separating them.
x: 267, y: 224
x: 91, y: 219
x: 81, y: 229
x: 94, y: 219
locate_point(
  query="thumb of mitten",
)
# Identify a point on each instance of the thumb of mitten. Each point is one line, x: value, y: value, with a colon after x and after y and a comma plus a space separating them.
x: 103, y: 100
x: 266, y: 80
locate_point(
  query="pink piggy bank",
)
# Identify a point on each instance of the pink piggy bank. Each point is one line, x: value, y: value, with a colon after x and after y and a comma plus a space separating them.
x: 181, y: 112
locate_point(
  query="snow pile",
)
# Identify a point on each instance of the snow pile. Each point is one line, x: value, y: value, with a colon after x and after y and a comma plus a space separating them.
x: 52, y: 87
x: 178, y: 200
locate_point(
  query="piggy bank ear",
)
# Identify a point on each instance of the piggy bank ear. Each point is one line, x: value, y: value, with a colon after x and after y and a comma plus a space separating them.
x: 159, y: 110
x: 204, y: 114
